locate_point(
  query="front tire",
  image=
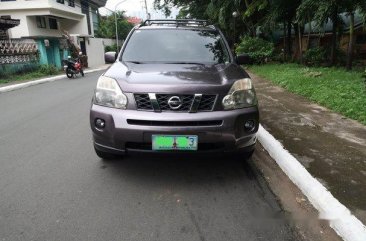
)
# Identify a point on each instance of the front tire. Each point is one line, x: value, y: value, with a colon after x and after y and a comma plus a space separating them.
x: 82, y: 73
x: 69, y: 74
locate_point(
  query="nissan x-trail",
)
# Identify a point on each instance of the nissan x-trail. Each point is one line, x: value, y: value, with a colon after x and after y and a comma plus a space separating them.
x: 175, y: 86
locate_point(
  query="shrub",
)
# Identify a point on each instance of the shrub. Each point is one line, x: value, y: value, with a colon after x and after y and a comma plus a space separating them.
x: 278, y: 56
x: 48, y: 69
x: 109, y: 48
x: 258, y: 49
x: 315, y: 56
x: 7, y: 71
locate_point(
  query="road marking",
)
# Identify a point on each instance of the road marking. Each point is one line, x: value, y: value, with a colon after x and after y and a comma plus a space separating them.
x: 340, y: 218
x: 41, y: 81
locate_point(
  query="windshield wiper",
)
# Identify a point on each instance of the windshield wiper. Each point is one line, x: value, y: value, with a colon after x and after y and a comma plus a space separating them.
x: 185, y: 63
x: 135, y: 62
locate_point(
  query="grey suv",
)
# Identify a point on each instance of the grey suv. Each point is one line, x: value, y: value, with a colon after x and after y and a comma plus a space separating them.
x: 174, y: 87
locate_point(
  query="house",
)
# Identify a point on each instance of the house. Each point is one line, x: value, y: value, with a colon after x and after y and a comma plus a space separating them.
x: 322, y: 35
x: 314, y: 35
x: 5, y: 24
x: 45, y: 21
x: 16, y: 55
x: 134, y: 20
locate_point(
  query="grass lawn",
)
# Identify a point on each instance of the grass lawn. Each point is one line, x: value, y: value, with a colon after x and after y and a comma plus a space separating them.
x: 334, y: 88
x: 27, y: 76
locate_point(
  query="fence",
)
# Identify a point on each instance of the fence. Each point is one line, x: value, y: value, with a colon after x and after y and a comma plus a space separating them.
x: 18, y: 51
x: 18, y: 55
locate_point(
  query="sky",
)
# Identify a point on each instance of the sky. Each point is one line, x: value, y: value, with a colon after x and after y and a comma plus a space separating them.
x: 136, y: 8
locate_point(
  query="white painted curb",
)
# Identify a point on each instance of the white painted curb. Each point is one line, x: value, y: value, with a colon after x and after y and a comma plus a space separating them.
x: 340, y: 218
x: 41, y: 81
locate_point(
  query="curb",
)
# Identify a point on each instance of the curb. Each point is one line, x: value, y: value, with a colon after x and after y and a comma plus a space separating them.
x: 340, y: 218
x: 41, y: 81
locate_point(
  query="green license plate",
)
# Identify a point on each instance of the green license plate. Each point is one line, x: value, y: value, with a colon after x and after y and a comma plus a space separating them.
x: 174, y: 142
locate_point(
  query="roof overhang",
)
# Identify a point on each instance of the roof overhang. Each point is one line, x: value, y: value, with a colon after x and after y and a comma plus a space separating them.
x: 99, y: 3
x: 5, y: 24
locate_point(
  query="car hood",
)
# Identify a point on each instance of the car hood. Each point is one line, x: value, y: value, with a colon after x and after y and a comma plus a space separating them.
x: 175, y: 78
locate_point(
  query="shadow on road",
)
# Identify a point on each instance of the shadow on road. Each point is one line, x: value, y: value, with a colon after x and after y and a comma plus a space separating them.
x: 195, y: 170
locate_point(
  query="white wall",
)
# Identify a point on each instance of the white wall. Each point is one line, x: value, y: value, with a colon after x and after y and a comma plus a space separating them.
x: 20, y: 30
x: 95, y: 50
x: 69, y: 18
x: 75, y: 27
x: 25, y: 6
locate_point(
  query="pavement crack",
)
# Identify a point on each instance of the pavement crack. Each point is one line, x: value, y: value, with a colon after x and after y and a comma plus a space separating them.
x: 195, y: 223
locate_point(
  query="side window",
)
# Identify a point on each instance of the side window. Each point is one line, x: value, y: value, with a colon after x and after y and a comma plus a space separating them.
x: 41, y: 22
x: 53, y: 23
x: 71, y: 3
x: 60, y: 1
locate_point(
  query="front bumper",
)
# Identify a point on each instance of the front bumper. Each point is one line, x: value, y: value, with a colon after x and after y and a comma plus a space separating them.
x: 131, y: 130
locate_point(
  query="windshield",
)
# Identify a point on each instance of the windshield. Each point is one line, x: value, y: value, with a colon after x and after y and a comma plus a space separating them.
x: 175, y: 46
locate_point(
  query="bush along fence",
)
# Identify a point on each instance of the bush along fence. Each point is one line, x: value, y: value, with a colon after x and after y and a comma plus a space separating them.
x: 18, y: 55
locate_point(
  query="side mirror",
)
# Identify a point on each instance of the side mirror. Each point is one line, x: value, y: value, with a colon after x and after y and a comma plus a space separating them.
x: 110, y: 57
x: 243, y: 59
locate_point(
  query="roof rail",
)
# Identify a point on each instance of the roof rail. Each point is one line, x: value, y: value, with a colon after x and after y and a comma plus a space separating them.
x: 176, y: 22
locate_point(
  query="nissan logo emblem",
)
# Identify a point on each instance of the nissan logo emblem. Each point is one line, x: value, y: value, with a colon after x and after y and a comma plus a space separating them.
x: 174, y: 102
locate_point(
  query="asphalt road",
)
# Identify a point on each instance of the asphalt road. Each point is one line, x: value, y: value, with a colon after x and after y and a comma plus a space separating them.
x: 54, y: 187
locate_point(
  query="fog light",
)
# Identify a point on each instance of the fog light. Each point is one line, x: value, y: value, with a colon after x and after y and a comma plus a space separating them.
x: 99, y: 123
x: 249, y: 125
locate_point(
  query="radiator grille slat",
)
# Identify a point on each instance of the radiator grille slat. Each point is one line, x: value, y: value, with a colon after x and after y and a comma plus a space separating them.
x: 143, y: 102
x: 206, y: 102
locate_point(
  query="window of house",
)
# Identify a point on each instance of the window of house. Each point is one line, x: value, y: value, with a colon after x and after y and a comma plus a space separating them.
x: 60, y: 1
x: 71, y: 3
x: 41, y: 22
x: 53, y: 23
x: 361, y: 39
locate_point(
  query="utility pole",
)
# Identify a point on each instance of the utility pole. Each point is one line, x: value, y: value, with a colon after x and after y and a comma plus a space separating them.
x: 147, y: 12
x: 115, y: 22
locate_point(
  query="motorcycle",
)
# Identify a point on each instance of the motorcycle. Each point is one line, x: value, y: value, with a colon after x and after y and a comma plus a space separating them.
x: 73, y: 67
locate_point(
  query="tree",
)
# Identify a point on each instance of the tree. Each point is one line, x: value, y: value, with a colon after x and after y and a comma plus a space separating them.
x: 270, y: 14
x: 107, y: 27
x: 216, y: 11
x: 274, y: 12
x: 351, y: 8
x: 329, y: 10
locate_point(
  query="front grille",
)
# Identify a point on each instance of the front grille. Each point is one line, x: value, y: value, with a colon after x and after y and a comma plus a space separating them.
x: 207, y: 102
x: 163, y: 102
x: 188, y: 102
x: 143, y: 102
x: 174, y: 123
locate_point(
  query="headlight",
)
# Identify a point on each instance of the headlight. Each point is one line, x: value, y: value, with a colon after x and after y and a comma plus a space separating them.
x: 241, y: 95
x: 108, y: 93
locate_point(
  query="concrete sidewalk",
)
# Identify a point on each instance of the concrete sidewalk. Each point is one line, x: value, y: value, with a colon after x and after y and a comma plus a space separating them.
x: 26, y: 83
x: 331, y: 147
